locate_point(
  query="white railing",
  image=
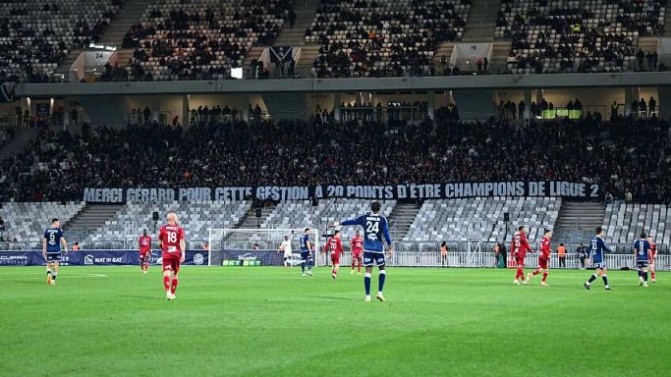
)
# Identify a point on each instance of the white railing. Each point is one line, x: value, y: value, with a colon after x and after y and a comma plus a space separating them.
x: 486, y: 259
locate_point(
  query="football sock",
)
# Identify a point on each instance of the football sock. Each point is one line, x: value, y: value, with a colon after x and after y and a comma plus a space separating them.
x: 652, y: 275
x: 166, y: 282
x: 303, y: 266
x: 545, y: 276
x: 381, y: 279
x: 536, y: 272
x: 366, y: 283
x: 48, y: 271
x: 173, y: 288
x: 645, y: 276
x: 54, y: 275
x: 605, y: 280
x: 591, y: 279
x: 640, y: 274
x: 520, y: 273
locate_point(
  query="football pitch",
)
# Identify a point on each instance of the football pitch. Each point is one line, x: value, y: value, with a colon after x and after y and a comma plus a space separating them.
x: 270, y: 321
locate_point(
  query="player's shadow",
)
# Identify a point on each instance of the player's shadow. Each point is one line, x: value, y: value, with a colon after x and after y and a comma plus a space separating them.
x: 332, y: 298
x: 28, y: 282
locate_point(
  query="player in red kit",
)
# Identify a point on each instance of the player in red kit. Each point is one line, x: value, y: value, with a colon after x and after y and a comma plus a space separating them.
x: 543, y: 259
x: 144, y: 247
x: 356, y: 246
x: 519, y: 249
x: 652, y: 257
x: 334, y: 246
x: 172, y: 243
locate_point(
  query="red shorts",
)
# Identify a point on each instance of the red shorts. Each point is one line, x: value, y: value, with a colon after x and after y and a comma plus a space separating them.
x: 543, y: 263
x: 172, y: 262
x: 356, y: 255
x: 144, y: 254
x: 519, y: 260
x: 335, y: 259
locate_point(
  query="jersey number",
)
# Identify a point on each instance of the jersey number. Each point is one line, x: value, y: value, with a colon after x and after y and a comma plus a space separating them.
x: 372, y: 229
x: 172, y: 237
x: 52, y: 239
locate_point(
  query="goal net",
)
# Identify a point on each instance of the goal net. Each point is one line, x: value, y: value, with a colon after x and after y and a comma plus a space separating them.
x: 258, y: 247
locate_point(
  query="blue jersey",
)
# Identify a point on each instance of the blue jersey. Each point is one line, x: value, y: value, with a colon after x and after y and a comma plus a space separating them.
x: 375, y: 228
x: 304, y: 243
x: 53, y: 237
x: 642, y: 247
x: 598, y: 249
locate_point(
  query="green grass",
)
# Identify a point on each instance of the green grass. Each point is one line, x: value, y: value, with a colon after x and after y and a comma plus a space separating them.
x: 272, y: 322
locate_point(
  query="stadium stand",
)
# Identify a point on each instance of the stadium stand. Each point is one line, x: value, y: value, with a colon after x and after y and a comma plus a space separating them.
x: 626, y: 156
x: 25, y: 221
x: 36, y: 35
x: 200, y: 40
x: 482, y: 219
x: 551, y: 36
x: 625, y: 221
x: 195, y: 216
x: 382, y: 39
x: 298, y: 214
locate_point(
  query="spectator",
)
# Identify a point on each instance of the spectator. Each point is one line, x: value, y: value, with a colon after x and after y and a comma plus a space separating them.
x: 581, y: 251
x: 561, y: 252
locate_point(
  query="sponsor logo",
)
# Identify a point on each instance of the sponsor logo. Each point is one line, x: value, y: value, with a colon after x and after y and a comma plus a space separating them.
x: 198, y: 259
x: 295, y: 259
x: 90, y: 260
x: 13, y: 260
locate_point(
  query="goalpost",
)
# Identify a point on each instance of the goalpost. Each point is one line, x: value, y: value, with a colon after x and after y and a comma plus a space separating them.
x: 252, y: 246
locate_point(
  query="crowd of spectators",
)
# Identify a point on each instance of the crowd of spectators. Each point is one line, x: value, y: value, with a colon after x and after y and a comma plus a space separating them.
x: 590, y: 36
x: 36, y: 35
x: 200, y: 40
x: 383, y: 39
x: 623, y: 155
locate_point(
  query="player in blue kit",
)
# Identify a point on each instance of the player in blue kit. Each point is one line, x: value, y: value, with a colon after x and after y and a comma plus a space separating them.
x: 52, y: 245
x: 306, y: 252
x: 597, y: 250
x: 642, y: 254
x: 376, y: 229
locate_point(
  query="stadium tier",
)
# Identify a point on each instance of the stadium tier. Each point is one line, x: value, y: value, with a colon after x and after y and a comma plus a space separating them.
x: 482, y: 219
x: 456, y: 221
x: 625, y: 222
x: 200, y: 40
x: 196, y: 217
x: 36, y: 35
x: 383, y: 39
x: 586, y: 36
x: 25, y: 221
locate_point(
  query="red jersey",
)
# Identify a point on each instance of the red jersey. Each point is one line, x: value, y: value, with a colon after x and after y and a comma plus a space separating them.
x: 144, y: 244
x: 520, y: 245
x: 170, y: 237
x: 653, y: 252
x: 334, y: 246
x: 357, y: 245
x: 545, y: 248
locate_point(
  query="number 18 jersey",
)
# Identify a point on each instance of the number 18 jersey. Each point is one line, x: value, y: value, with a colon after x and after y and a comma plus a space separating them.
x: 170, y: 237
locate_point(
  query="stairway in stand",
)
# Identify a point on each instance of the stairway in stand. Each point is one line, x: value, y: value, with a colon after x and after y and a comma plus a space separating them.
x: 481, y: 21
x: 576, y: 222
x: 87, y: 221
x: 401, y: 218
x: 19, y: 142
x: 130, y: 13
